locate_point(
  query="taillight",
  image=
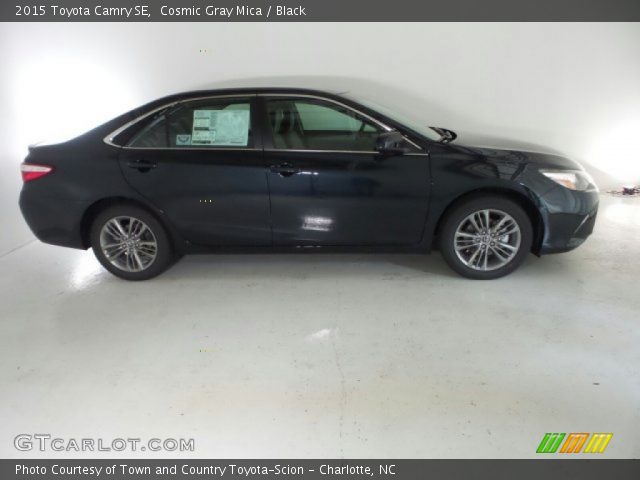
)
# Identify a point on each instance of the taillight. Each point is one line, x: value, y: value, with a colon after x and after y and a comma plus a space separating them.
x: 31, y: 172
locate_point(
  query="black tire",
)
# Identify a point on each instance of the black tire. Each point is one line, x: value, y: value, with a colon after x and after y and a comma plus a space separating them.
x: 460, y: 213
x: 154, y: 232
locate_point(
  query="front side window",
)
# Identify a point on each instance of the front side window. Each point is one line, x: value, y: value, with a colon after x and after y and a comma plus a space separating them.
x: 301, y: 124
x: 203, y: 123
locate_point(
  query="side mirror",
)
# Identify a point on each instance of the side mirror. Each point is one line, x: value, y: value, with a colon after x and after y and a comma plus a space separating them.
x: 447, y: 135
x: 392, y: 143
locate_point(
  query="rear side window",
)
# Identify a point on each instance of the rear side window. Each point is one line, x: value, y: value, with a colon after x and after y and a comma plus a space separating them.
x: 199, y: 124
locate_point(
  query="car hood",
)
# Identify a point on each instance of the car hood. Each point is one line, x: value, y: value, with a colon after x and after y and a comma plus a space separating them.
x: 470, y: 139
x: 492, y: 146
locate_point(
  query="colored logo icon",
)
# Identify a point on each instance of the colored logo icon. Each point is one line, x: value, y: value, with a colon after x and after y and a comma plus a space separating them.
x: 574, y: 443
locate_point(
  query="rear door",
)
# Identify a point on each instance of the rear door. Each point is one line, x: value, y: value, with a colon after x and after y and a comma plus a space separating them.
x: 329, y: 185
x: 201, y: 163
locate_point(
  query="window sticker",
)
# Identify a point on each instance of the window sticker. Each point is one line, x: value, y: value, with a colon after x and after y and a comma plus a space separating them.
x: 183, y: 139
x: 220, y: 128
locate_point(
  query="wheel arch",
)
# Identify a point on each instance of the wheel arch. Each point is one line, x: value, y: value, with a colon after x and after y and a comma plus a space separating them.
x: 526, y: 202
x: 100, y: 205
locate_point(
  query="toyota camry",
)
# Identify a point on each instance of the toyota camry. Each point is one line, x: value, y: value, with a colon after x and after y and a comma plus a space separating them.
x: 293, y: 169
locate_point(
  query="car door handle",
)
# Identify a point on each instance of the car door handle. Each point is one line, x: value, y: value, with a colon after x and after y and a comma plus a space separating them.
x: 284, y: 169
x: 142, y: 165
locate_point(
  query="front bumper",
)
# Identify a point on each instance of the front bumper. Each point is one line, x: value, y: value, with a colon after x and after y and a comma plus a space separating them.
x: 569, y: 218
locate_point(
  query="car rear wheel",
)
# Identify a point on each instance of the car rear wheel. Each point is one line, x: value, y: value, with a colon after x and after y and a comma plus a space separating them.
x: 486, y: 237
x: 131, y: 243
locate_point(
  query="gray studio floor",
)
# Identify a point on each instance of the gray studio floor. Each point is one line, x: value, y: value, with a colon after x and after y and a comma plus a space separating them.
x: 328, y: 355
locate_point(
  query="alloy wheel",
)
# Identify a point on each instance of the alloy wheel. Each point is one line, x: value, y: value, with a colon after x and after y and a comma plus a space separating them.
x: 487, y: 239
x: 128, y: 243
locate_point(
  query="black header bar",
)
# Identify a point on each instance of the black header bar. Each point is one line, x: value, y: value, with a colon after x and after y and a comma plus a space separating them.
x: 319, y: 10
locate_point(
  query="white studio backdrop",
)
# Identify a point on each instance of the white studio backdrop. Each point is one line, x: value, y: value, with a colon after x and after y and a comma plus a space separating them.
x: 571, y: 86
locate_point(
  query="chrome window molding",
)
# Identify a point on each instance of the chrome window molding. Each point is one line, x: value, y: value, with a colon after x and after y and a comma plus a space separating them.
x: 206, y: 148
x: 369, y: 152
x: 302, y: 150
x: 271, y: 150
x: 109, y: 138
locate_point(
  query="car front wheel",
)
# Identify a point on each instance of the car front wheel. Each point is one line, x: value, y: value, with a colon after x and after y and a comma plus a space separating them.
x: 486, y: 237
x: 130, y: 243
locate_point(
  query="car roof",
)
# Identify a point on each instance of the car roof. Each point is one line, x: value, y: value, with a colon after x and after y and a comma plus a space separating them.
x: 259, y: 90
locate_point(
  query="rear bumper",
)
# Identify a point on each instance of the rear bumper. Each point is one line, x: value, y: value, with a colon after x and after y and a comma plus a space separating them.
x: 53, y: 220
x: 569, y: 218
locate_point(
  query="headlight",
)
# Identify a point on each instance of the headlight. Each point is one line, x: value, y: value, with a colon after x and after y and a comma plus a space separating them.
x: 572, y: 179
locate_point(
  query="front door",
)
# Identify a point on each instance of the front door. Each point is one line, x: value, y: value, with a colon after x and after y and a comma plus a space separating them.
x: 328, y: 184
x: 202, y: 165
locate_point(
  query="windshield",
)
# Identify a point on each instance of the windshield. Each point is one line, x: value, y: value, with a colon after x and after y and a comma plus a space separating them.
x: 407, y: 120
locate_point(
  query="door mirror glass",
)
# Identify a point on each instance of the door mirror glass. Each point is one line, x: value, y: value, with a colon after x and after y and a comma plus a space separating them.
x: 392, y: 143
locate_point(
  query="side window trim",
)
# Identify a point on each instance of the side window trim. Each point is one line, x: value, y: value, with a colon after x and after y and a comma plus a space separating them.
x: 259, y: 121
